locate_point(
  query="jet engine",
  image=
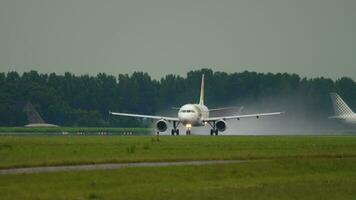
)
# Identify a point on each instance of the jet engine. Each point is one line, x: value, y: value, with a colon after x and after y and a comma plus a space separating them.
x: 221, y: 125
x: 161, y: 125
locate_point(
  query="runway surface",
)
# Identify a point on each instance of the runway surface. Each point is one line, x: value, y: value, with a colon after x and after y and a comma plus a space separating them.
x: 33, y: 170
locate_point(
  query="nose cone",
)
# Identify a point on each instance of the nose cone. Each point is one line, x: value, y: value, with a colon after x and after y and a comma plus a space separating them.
x: 188, y: 118
x: 188, y: 114
x: 184, y: 118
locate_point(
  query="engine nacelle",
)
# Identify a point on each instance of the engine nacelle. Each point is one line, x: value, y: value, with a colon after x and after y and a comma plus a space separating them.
x: 161, y: 125
x: 220, y: 125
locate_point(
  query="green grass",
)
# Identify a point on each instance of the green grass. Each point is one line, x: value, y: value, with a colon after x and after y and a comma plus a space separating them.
x: 280, y: 167
x: 16, y: 151
x: 9, y: 130
x: 329, y: 178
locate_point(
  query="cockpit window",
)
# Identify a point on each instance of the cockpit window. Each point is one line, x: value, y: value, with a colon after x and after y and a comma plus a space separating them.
x: 187, y: 111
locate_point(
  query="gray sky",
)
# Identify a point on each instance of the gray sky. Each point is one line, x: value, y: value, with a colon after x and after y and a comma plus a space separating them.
x: 308, y: 37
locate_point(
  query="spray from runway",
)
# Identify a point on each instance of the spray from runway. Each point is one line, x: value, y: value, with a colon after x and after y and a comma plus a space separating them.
x: 298, y: 119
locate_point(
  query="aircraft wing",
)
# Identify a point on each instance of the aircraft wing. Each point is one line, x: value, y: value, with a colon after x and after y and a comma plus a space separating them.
x: 210, y: 119
x: 145, y: 116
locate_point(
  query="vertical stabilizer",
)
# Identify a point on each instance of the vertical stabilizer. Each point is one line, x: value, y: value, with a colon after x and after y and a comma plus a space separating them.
x: 33, y: 117
x: 201, y: 101
x: 340, y: 107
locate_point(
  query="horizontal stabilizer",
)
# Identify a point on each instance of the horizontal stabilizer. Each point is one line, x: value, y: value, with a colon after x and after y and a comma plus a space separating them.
x: 227, y: 108
x: 340, y: 107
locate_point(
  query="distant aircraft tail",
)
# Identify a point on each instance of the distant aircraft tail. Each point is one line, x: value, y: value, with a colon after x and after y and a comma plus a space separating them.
x: 201, y: 101
x: 340, y: 107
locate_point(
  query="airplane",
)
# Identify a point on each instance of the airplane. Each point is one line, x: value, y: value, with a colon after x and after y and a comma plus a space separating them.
x: 342, y: 111
x: 194, y: 115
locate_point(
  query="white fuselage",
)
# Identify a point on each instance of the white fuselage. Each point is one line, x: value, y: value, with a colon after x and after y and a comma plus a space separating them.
x: 193, y: 114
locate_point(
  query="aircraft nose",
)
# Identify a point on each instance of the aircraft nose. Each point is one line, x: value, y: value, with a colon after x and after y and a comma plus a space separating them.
x: 186, y: 118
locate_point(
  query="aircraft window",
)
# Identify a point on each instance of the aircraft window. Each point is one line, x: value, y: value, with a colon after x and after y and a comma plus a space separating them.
x: 187, y: 111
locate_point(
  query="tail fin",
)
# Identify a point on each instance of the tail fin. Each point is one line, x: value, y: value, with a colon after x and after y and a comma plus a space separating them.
x: 201, y: 101
x: 340, y: 107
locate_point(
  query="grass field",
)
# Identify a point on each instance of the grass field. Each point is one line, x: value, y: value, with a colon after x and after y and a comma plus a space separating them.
x: 50, y: 130
x: 17, y: 151
x: 281, y: 167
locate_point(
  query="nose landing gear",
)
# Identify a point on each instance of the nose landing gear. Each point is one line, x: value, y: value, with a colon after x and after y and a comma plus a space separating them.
x: 189, y: 129
x: 188, y: 132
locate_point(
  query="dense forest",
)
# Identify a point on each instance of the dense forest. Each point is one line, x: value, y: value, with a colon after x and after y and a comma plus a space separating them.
x: 71, y: 100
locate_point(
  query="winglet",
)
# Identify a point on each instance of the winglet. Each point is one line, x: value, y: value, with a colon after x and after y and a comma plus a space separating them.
x: 201, y: 101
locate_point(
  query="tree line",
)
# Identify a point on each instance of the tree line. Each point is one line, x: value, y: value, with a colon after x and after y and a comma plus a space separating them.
x: 84, y: 100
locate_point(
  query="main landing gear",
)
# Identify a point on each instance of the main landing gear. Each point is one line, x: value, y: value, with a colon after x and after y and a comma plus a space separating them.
x: 175, y: 130
x: 214, y: 130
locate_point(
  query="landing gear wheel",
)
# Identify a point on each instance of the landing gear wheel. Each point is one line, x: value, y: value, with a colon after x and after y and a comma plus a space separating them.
x: 211, y: 132
x: 216, y: 132
x: 188, y: 132
x: 175, y: 131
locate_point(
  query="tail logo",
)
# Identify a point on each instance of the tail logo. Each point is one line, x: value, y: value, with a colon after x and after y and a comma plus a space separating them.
x: 340, y: 107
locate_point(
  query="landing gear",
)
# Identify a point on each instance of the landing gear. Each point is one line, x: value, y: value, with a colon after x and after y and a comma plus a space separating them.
x: 188, y: 132
x: 175, y: 130
x: 214, y: 130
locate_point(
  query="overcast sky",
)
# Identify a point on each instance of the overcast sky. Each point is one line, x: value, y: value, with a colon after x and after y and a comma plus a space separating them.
x: 308, y: 37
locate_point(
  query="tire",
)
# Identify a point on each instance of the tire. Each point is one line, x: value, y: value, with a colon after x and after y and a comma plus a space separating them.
x: 211, y: 132
x: 188, y: 132
x: 172, y: 132
x: 177, y: 131
x: 216, y: 132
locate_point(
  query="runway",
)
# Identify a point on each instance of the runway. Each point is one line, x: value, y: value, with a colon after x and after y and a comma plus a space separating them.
x: 107, y: 166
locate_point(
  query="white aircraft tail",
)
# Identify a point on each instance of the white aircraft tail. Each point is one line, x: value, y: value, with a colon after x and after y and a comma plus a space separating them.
x: 201, y: 101
x: 340, y: 107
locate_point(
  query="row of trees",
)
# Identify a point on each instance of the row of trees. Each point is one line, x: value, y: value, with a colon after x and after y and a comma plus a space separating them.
x: 85, y: 100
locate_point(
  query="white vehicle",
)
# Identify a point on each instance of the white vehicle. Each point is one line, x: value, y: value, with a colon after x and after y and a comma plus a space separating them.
x: 342, y: 110
x: 193, y: 115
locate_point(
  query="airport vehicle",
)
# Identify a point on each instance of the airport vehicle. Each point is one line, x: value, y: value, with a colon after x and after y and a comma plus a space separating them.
x: 342, y: 111
x: 193, y: 115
